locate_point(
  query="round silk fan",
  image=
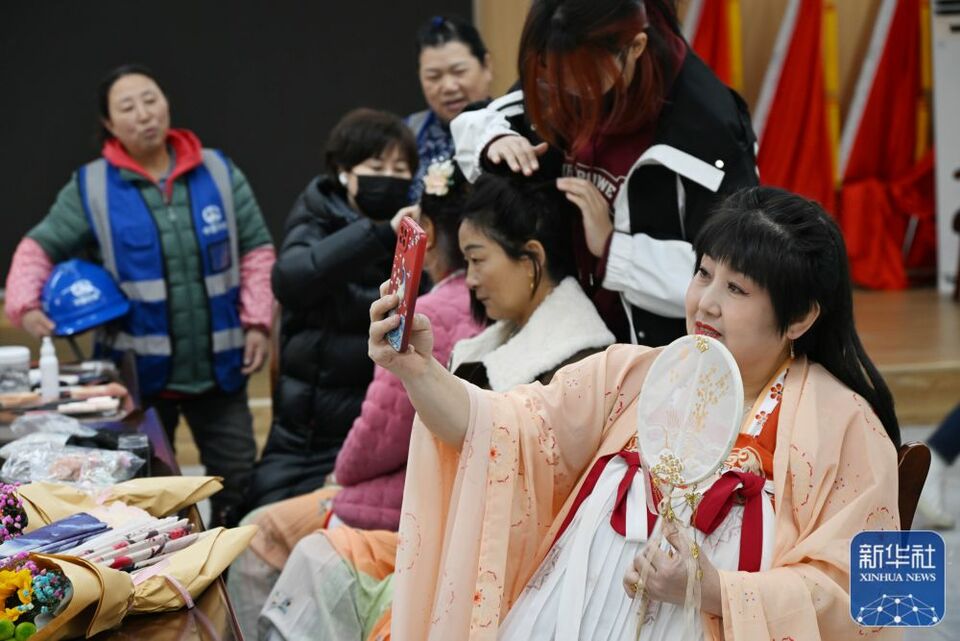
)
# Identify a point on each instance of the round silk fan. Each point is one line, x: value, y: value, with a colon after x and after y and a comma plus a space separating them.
x: 689, y: 411
x: 689, y: 414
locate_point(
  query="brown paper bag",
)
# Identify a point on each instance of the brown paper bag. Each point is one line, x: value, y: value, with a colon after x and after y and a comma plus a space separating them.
x: 193, y: 568
x: 46, y: 502
x: 101, y: 598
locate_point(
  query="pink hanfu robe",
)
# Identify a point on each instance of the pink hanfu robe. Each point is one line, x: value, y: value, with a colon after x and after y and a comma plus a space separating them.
x: 477, y: 523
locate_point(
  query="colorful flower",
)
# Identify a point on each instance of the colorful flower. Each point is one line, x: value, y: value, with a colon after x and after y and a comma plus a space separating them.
x: 27, y: 590
x: 13, y: 518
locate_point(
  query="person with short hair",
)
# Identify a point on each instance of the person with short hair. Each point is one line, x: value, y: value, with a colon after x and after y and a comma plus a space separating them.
x: 337, y: 248
x: 455, y: 71
x: 178, y: 226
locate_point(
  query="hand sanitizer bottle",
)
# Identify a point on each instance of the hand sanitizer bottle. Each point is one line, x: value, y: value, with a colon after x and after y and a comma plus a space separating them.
x: 49, y: 372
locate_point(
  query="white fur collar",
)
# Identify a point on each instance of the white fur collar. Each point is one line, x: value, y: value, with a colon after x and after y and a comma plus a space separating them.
x: 566, y: 322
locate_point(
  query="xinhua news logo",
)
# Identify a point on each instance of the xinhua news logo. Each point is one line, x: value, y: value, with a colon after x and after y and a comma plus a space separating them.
x: 897, y: 578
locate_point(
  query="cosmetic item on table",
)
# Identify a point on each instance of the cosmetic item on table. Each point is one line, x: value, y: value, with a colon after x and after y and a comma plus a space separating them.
x: 49, y: 371
x: 138, y: 444
x: 95, y: 405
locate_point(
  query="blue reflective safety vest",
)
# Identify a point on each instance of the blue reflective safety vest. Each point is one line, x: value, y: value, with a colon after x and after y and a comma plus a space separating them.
x: 116, y: 211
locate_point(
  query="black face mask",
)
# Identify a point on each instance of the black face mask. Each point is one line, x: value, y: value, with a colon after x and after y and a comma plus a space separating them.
x: 380, y: 197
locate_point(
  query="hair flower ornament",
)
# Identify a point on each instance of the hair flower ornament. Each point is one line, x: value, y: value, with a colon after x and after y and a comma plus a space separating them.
x: 439, y: 178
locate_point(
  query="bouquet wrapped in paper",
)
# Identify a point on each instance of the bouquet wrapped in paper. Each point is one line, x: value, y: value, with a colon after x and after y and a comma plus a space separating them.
x: 159, y: 496
x: 164, y: 568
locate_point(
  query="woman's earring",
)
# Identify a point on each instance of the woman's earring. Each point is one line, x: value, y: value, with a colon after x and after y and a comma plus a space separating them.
x: 792, y: 354
x: 343, y: 178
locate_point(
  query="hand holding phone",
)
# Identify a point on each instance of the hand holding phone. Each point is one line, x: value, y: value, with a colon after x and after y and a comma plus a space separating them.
x: 405, y: 279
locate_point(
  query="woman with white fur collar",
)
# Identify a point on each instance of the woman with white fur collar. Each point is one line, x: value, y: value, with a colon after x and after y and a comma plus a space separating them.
x: 516, y: 242
x: 515, y: 238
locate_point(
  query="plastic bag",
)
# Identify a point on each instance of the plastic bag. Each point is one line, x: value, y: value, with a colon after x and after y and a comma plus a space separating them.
x: 51, y: 422
x: 33, y: 439
x: 85, y: 467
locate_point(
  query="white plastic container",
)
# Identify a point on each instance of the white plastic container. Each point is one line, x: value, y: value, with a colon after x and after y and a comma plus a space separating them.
x: 14, y: 369
x: 49, y: 371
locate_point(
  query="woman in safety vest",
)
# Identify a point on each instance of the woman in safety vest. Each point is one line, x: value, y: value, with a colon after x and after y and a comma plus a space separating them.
x: 179, y: 229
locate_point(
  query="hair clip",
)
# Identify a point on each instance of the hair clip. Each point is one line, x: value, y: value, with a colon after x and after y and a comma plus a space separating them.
x: 438, y: 22
x: 439, y: 178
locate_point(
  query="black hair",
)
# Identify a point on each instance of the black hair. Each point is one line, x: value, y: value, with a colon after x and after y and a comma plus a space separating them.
x: 103, y: 93
x: 366, y: 133
x: 439, y: 30
x: 790, y: 246
x: 512, y: 210
x: 446, y: 213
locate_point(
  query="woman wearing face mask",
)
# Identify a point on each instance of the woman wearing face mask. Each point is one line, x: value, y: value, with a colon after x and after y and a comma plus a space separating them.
x: 639, y: 134
x: 371, y: 465
x: 517, y: 255
x: 178, y: 227
x: 455, y: 71
x: 503, y: 488
x: 337, y: 248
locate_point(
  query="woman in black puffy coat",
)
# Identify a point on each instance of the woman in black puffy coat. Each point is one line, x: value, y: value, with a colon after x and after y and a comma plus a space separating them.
x: 337, y: 248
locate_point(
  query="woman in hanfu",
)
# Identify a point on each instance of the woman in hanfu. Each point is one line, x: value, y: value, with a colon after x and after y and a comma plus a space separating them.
x: 501, y: 485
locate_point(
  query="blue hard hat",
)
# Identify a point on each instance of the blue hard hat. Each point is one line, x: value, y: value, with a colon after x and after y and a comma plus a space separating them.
x: 80, y: 295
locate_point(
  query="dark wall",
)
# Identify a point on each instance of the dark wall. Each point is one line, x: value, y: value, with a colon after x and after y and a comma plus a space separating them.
x: 264, y: 81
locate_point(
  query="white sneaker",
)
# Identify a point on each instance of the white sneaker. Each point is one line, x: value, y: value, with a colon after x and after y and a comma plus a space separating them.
x: 931, y: 505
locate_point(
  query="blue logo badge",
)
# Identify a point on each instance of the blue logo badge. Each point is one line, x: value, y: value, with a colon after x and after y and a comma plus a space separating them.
x: 897, y: 579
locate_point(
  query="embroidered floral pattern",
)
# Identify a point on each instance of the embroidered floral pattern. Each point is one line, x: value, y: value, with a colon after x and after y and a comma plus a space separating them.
x: 408, y: 542
x: 801, y: 478
x: 503, y: 455
x: 869, y: 416
x: 881, y: 519
x: 446, y: 596
x: 746, y: 459
x: 769, y: 403
x: 776, y: 391
x: 617, y: 405
x: 486, y: 600
x: 523, y: 504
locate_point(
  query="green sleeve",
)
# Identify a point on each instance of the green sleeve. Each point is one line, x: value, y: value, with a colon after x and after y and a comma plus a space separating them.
x: 251, y: 228
x: 65, y: 231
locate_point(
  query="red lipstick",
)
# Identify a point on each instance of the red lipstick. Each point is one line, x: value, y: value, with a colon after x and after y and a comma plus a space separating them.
x: 703, y: 329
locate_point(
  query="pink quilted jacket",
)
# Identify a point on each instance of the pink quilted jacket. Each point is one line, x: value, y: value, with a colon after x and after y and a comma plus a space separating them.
x: 372, y: 463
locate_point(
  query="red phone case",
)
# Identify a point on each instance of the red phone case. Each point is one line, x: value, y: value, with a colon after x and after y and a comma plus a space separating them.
x: 405, y: 278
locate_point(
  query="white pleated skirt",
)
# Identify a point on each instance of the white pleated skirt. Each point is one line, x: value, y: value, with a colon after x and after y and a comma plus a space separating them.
x: 577, y: 592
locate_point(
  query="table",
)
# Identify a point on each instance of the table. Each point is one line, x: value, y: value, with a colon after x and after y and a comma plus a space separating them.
x: 213, y: 618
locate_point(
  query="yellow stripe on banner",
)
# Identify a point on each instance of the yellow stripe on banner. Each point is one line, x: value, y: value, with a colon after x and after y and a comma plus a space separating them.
x: 831, y: 79
x: 926, y: 84
x: 735, y: 35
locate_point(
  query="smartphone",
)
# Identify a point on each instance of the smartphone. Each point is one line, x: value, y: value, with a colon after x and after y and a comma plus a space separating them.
x: 405, y: 279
